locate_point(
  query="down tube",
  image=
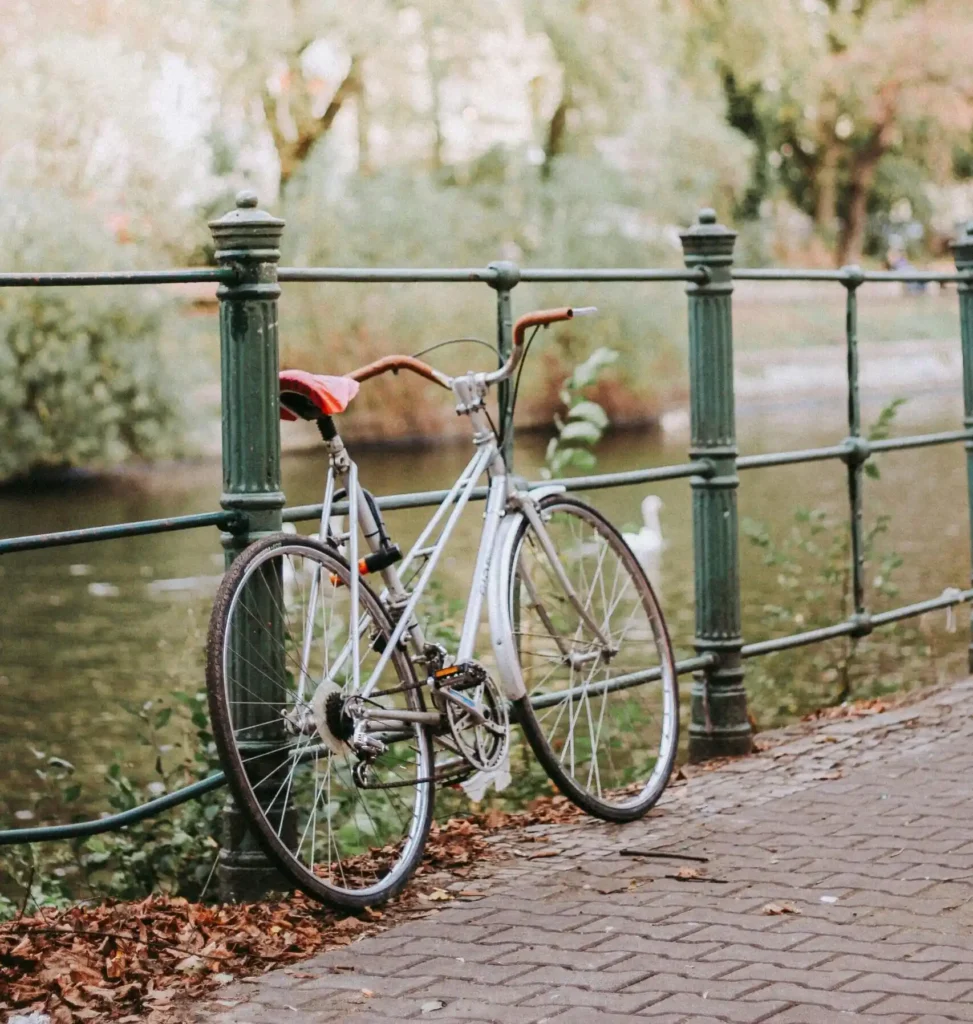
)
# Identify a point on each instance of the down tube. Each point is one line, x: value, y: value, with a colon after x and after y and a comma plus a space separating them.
x: 406, y: 614
x: 496, y: 500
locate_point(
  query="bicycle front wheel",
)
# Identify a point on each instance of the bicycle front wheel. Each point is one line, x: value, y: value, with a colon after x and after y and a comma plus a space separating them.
x: 601, y: 710
x: 280, y: 669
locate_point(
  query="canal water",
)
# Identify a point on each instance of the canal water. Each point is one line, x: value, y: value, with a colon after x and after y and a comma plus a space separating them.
x: 90, y: 634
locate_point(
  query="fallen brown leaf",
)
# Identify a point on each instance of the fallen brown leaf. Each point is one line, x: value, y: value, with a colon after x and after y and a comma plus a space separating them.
x: 779, y: 908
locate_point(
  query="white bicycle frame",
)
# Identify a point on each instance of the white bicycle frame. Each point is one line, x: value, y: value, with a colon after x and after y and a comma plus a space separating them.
x: 503, y: 498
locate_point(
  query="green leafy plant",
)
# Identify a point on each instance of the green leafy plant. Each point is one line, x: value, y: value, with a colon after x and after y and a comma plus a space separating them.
x: 583, y: 422
x: 811, y: 562
x: 174, y: 852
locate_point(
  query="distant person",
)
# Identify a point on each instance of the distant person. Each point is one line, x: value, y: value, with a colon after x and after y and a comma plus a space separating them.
x: 896, y: 260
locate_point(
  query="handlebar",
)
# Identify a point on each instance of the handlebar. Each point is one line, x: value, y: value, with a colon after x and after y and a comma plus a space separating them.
x: 396, y: 363
x: 539, y: 318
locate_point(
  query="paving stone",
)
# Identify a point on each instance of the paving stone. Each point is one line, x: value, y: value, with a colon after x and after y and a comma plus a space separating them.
x: 478, y: 1010
x: 599, y: 981
x: 823, y: 1015
x: 356, y: 982
x: 919, y: 1004
x: 752, y: 954
x: 472, y: 970
x: 710, y: 988
x: 614, y: 1002
x: 839, y: 1000
x: 583, y: 960
x: 903, y: 968
x: 725, y: 1009
x: 819, y: 977
x: 935, y: 989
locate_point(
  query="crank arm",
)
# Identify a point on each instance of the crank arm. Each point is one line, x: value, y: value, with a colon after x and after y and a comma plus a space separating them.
x: 457, y: 698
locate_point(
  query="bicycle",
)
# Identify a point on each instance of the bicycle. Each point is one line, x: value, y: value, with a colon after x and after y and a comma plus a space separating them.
x: 336, y: 715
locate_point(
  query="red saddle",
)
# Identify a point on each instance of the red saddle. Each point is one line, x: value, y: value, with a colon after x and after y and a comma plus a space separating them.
x: 307, y: 396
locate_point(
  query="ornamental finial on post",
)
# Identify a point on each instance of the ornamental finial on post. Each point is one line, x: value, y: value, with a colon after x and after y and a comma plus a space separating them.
x: 709, y: 244
x: 247, y: 232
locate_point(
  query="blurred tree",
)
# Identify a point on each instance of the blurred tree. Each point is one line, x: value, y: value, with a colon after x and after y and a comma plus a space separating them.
x: 830, y: 88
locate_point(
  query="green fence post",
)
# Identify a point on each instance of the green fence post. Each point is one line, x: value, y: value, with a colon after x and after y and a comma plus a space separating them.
x: 247, y: 240
x: 963, y: 254
x: 508, y: 275
x: 719, y: 725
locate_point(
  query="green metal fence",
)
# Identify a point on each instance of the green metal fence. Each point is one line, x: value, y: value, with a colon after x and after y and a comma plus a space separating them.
x: 247, y: 253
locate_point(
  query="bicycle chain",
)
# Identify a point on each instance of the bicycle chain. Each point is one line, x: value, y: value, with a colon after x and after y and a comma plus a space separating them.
x: 456, y: 775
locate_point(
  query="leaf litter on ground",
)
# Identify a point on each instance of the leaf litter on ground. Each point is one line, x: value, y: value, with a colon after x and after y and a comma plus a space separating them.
x: 133, y: 961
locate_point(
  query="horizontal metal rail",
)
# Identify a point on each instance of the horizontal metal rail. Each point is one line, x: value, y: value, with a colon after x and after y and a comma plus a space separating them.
x: 856, y: 627
x: 486, y: 275
x: 846, y: 449
x: 59, y: 279
x: 892, y: 444
x: 699, y: 275
x: 224, y: 520
x: 852, y: 275
x: 391, y: 275
x: 82, y: 829
x: 834, y: 451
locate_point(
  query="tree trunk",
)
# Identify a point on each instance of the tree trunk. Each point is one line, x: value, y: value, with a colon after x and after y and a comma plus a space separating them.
x: 439, y: 139
x: 556, y: 133
x: 295, y: 141
x: 436, y: 69
x: 852, y: 240
x: 364, y: 125
x: 826, y: 204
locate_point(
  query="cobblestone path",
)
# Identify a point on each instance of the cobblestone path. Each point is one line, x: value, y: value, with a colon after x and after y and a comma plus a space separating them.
x: 862, y: 826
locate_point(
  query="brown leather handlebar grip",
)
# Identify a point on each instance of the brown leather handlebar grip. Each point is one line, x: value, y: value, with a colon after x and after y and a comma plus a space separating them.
x: 540, y: 318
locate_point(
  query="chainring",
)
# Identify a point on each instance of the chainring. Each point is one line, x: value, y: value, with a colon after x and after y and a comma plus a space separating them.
x: 468, y: 693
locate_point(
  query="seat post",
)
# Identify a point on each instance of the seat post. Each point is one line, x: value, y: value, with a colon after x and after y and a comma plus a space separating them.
x: 326, y: 428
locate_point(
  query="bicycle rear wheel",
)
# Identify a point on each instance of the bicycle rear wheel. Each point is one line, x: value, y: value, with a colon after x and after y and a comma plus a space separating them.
x: 601, y: 712
x: 279, y: 672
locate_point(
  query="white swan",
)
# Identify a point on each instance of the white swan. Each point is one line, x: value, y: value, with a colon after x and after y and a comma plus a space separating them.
x: 648, y: 544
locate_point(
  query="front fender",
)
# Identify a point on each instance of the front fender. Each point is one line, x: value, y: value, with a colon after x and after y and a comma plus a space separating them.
x: 498, y: 591
x: 498, y: 606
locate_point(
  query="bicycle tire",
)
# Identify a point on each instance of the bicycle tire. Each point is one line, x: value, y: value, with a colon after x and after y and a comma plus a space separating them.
x: 579, y: 531
x: 380, y: 879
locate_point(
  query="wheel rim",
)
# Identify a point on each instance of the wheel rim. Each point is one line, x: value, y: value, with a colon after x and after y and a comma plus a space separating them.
x: 336, y: 838
x: 612, y: 732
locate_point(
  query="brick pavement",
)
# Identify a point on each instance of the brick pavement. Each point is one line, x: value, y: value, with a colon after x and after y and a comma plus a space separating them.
x: 862, y: 825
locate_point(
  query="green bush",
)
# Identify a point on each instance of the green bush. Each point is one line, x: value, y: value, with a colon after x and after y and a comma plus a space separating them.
x: 83, y: 381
